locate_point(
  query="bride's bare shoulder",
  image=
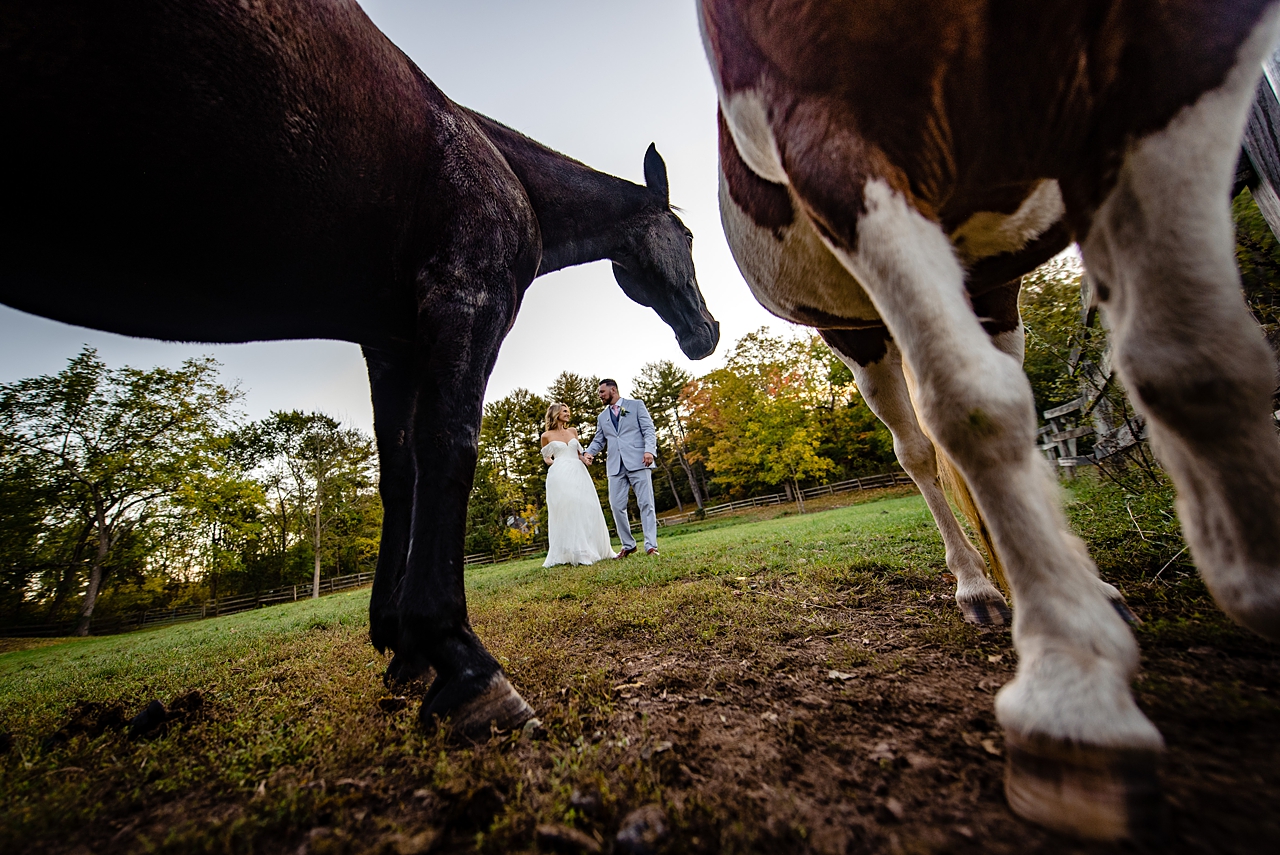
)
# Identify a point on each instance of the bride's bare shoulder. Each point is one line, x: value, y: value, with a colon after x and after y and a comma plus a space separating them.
x: 573, y: 432
x: 546, y: 437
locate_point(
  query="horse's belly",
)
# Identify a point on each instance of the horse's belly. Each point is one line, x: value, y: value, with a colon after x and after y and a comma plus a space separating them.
x: 792, y: 273
x: 180, y: 305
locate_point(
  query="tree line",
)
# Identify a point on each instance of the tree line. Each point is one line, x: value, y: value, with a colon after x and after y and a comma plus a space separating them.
x: 124, y: 489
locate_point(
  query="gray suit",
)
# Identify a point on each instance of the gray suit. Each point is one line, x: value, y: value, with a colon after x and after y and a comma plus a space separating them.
x: 627, y: 443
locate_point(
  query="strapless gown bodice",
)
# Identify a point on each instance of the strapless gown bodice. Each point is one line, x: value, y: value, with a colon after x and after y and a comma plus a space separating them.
x: 559, y: 449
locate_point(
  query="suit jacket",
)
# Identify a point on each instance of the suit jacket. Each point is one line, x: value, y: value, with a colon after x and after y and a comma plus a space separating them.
x: 629, y: 441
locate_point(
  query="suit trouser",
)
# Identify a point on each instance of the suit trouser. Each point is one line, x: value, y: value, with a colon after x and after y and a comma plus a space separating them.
x: 640, y: 480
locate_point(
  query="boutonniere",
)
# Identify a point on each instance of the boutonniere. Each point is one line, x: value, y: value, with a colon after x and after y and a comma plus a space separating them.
x: 622, y: 412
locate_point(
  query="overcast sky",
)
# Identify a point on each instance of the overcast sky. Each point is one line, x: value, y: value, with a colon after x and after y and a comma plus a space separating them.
x: 596, y: 80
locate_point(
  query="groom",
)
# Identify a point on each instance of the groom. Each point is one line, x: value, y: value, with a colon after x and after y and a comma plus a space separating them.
x: 626, y: 426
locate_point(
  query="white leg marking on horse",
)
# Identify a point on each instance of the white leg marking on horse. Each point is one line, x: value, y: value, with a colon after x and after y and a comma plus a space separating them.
x: 1162, y: 250
x: 1013, y: 342
x: 748, y: 120
x: 1077, y: 657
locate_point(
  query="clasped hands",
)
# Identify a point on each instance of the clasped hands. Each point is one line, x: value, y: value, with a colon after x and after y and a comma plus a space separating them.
x: 591, y: 458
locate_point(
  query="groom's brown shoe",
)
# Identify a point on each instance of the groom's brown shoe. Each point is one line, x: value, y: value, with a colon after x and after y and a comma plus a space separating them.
x: 652, y: 550
x: 626, y: 550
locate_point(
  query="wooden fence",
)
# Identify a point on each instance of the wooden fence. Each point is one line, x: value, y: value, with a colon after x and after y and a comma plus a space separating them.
x: 163, y: 617
x: 871, y: 482
x: 499, y: 557
x: 1094, y: 414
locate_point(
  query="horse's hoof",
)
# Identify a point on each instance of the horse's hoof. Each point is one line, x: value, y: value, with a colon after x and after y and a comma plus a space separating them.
x: 1122, y: 609
x: 384, y: 626
x: 497, y: 706
x: 401, y: 674
x: 1084, y: 790
x: 985, y: 612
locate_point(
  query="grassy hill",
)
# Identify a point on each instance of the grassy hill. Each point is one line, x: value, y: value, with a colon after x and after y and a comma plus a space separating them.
x: 799, y: 683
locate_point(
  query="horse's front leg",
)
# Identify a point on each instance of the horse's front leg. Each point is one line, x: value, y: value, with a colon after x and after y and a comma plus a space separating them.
x: 460, y: 328
x: 392, y: 387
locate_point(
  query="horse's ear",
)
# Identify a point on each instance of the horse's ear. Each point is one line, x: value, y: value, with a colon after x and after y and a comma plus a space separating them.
x: 655, y: 173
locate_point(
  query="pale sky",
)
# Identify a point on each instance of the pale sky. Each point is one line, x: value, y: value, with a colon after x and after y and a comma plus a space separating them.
x: 596, y: 80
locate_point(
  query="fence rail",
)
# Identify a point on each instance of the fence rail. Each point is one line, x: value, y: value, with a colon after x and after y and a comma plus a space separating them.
x: 499, y: 557
x: 871, y: 482
x: 152, y: 618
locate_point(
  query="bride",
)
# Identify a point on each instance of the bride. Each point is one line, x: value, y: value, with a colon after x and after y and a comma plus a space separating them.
x: 576, y: 529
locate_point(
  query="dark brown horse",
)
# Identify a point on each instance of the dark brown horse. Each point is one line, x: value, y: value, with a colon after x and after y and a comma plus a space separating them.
x: 229, y: 171
x: 889, y: 169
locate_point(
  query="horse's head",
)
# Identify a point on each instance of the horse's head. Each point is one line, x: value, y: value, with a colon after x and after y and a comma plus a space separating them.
x: 654, y: 267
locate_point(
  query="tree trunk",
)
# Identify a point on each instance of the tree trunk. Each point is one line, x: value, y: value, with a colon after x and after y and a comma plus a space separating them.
x: 95, y: 574
x: 693, y: 479
x: 63, y: 589
x: 315, y: 579
x: 672, y: 481
x: 799, y: 494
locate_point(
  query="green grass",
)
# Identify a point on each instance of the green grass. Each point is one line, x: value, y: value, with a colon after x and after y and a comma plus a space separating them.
x: 293, y: 738
x: 291, y: 690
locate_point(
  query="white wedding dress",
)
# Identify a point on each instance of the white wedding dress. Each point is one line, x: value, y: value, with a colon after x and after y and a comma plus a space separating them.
x: 576, y: 530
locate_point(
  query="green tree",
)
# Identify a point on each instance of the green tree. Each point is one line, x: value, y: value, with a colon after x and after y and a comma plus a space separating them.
x: 661, y: 385
x: 784, y: 446
x: 113, y: 444
x: 579, y: 393
x: 510, y: 472
x: 1057, y: 338
x: 315, y: 468
x: 26, y: 499
x: 219, y: 511
x: 756, y: 415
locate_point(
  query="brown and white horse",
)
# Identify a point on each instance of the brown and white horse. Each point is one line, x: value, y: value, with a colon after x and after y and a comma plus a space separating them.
x: 889, y: 169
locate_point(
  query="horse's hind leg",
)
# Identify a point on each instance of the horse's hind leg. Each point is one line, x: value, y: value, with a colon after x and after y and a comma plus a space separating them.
x: 1161, y: 250
x: 884, y: 388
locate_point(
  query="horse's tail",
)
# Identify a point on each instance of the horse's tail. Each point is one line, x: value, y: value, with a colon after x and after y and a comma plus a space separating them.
x: 957, y: 490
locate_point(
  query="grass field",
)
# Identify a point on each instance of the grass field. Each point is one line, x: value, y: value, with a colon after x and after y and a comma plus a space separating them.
x: 794, y: 683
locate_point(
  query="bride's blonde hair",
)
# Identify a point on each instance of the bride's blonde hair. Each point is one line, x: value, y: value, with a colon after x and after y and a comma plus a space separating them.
x: 553, y: 413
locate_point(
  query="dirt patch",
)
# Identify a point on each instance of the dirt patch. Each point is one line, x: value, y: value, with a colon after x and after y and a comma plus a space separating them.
x: 896, y: 750
x: 810, y: 758
x: 12, y: 645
